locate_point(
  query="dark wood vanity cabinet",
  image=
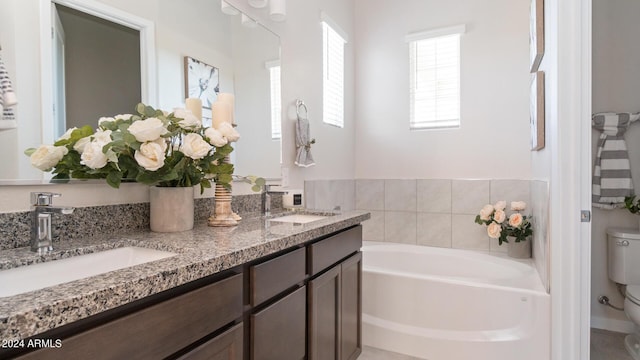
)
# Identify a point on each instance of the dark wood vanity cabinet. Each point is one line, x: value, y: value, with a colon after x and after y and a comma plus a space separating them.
x: 161, y: 330
x: 335, y: 312
x: 301, y: 303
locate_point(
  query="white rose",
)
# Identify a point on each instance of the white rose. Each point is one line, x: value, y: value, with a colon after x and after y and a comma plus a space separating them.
x: 500, y: 205
x: 515, y: 220
x: 147, y: 130
x: 47, y: 156
x: 151, y: 155
x: 102, y: 137
x: 92, y: 156
x: 518, y: 205
x: 228, y: 132
x: 105, y: 119
x: 189, y: 121
x: 123, y: 116
x: 194, y: 146
x: 215, y: 137
x: 67, y: 135
x: 485, y: 213
x: 494, y: 230
x: 80, y: 144
x: 499, y: 216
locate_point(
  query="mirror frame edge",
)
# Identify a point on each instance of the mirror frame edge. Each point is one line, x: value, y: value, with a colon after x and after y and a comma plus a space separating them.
x: 148, y: 66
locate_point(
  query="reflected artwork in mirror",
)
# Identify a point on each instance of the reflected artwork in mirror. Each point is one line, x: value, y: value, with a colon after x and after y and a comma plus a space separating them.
x: 166, y: 34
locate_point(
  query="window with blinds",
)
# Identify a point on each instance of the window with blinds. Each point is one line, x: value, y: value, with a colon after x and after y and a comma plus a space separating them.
x: 276, y: 102
x: 434, y: 58
x: 333, y: 76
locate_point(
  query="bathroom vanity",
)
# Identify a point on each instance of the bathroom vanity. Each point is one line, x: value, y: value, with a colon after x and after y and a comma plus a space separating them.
x: 263, y: 290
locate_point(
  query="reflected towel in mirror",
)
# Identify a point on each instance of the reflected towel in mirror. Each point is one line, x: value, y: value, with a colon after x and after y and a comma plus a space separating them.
x: 7, y: 100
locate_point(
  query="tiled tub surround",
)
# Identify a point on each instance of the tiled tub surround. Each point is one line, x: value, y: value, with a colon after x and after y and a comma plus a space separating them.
x: 434, y: 212
x: 110, y: 219
x: 201, y: 252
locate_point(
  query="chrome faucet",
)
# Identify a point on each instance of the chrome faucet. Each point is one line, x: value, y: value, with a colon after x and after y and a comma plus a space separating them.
x: 41, y: 210
x: 266, y: 198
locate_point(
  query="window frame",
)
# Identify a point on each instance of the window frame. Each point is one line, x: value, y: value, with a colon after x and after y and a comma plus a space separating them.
x: 433, y: 35
x: 332, y: 108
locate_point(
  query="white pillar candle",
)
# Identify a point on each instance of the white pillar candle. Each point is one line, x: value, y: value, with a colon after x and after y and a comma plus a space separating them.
x: 195, y: 106
x: 220, y: 112
x: 278, y: 10
x: 231, y: 100
x: 258, y: 4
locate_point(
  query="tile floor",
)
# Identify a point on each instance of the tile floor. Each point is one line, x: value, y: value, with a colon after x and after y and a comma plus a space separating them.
x: 605, y: 345
x: 608, y: 345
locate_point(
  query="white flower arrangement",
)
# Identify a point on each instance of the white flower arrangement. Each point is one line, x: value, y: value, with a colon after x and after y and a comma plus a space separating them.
x: 151, y: 147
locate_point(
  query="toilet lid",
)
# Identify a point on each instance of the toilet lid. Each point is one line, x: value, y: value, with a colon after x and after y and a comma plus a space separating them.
x: 633, y: 293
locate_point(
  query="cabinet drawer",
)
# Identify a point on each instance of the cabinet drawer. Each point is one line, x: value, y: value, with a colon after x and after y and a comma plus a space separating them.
x: 157, y: 331
x: 278, y: 332
x: 329, y: 251
x: 274, y: 276
x: 226, y: 346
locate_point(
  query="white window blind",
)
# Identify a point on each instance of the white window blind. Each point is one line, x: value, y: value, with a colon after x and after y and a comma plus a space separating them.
x: 276, y: 102
x: 333, y: 76
x: 434, y: 58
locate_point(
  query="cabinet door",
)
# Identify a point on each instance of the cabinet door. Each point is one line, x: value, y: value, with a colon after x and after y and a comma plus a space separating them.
x: 324, y: 316
x: 278, y: 331
x: 351, y: 307
x: 226, y: 346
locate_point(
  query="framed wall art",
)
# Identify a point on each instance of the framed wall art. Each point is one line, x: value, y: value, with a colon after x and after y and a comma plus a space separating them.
x: 536, y: 109
x: 201, y: 81
x: 536, y: 34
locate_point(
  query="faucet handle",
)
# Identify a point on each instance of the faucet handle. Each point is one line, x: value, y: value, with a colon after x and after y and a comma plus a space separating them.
x: 43, y: 198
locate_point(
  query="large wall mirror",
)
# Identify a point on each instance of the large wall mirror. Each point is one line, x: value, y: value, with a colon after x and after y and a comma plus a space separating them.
x: 106, y: 55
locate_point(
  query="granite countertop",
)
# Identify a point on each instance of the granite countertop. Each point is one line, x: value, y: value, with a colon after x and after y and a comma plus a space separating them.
x: 200, y: 252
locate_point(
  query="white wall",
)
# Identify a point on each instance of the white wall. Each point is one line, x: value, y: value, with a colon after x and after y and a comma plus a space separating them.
x: 493, y: 141
x: 301, y: 41
x: 616, y: 84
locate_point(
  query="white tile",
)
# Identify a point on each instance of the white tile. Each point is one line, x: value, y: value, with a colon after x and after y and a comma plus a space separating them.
x: 370, y: 195
x: 510, y: 190
x: 466, y: 234
x: 434, y: 196
x: 400, y: 227
x: 400, y: 195
x: 348, y: 195
x: 309, y: 194
x: 469, y: 196
x: 434, y: 229
x: 373, y: 229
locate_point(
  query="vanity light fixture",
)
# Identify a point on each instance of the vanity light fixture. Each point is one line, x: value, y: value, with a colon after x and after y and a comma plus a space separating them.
x: 278, y: 10
x: 228, y: 9
x: 258, y: 4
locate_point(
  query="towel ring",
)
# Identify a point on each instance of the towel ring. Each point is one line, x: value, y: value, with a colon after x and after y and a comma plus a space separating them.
x: 300, y: 104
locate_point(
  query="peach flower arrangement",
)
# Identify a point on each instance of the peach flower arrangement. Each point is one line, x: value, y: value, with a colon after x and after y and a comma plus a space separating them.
x: 500, y: 226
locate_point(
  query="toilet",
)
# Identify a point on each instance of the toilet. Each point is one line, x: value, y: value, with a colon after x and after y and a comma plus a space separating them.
x: 623, y: 249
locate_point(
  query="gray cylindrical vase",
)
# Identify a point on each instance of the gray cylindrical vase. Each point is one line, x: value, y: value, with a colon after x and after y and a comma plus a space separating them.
x: 171, y: 209
x: 519, y: 250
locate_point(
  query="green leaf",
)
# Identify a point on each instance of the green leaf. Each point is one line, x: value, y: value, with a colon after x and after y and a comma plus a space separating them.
x: 140, y: 108
x: 30, y: 151
x: 114, y: 179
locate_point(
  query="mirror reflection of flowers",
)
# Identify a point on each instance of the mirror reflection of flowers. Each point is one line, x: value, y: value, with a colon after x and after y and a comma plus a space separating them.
x: 499, y: 226
x: 152, y: 147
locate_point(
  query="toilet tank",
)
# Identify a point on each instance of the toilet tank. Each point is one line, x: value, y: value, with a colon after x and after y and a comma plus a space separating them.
x: 623, y: 250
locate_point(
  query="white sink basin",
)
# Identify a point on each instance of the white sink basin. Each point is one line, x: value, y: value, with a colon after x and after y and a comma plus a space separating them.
x: 299, y: 218
x: 41, y: 275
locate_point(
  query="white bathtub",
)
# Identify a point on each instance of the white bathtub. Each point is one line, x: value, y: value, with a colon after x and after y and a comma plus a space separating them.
x: 448, y: 304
